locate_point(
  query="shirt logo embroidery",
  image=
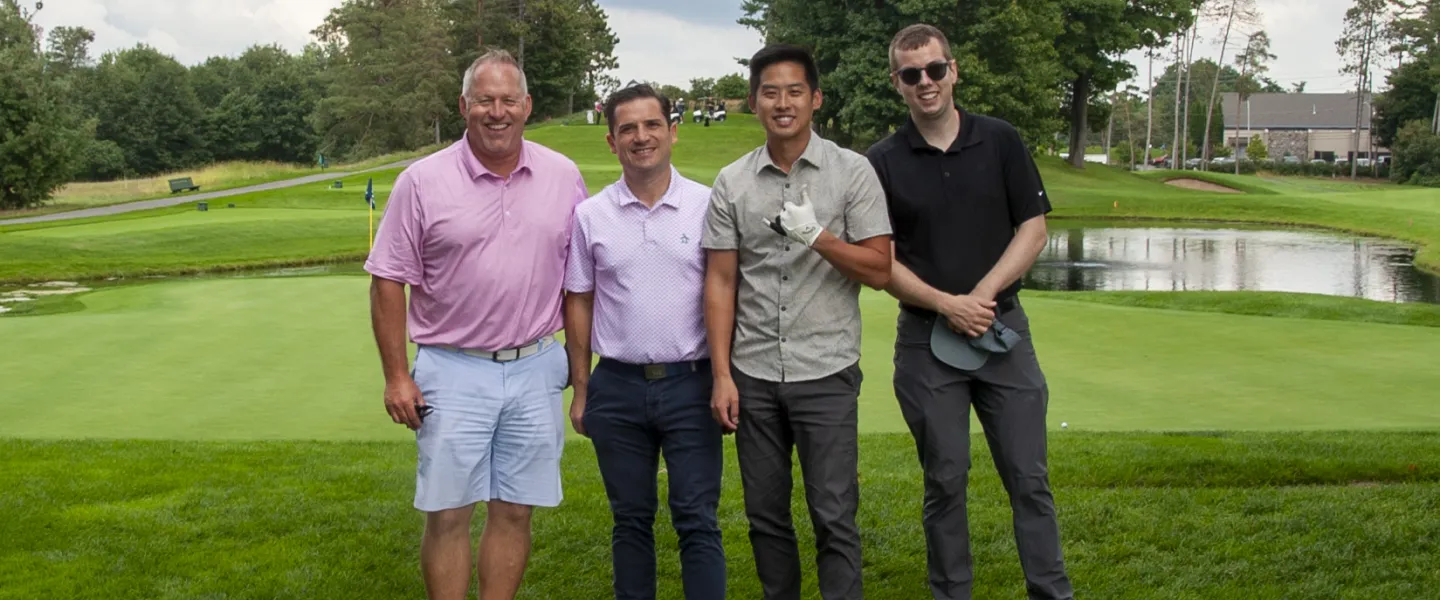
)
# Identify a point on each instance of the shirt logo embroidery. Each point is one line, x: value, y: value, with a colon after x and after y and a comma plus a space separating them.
x: 684, y: 239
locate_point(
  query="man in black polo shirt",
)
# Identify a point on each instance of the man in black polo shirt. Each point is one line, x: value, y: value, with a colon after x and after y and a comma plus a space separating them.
x: 968, y: 210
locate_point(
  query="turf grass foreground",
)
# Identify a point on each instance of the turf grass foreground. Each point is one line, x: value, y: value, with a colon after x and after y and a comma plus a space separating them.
x: 1143, y: 516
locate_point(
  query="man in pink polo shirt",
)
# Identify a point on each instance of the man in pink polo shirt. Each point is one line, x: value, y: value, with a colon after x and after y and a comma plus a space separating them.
x: 480, y: 232
x: 635, y: 283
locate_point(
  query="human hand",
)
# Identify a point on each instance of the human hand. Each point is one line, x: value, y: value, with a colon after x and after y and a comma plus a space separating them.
x: 577, y: 409
x: 797, y: 221
x: 967, y: 314
x: 403, y: 401
x: 725, y: 404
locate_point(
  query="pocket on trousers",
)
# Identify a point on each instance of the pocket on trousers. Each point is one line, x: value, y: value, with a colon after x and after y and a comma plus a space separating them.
x: 561, y: 378
x: 592, y: 391
x: 912, y: 331
x: 857, y: 376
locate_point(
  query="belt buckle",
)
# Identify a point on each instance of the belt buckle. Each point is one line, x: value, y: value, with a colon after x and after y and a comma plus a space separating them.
x: 653, y: 372
x: 507, y: 355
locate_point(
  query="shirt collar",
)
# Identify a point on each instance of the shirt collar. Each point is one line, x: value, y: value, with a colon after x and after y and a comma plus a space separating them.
x: 475, y: 169
x: 814, y: 155
x: 966, y: 138
x: 624, y: 197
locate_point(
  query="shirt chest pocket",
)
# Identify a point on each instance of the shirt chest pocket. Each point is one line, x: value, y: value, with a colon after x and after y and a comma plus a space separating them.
x: 755, y: 212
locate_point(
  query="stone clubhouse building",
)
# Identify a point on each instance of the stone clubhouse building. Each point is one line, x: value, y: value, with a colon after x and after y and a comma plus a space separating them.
x: 1306, y: 126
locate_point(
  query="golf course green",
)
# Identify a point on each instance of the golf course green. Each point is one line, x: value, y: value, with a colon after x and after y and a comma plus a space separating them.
x: 221, y: 435
x: 293, y: 358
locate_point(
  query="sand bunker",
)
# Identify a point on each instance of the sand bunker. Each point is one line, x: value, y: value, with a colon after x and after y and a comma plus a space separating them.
x: 1203, y: 186
x: 16, y: 299
x: 60, y: 292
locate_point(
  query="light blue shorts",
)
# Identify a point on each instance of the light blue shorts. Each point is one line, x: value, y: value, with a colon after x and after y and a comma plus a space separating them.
x: 497, y: 429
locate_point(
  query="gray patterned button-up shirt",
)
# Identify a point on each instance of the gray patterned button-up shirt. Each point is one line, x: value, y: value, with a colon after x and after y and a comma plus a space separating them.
x: 797, y: 318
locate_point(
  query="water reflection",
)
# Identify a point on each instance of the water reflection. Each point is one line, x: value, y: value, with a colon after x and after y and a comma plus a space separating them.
x: 1228, y: 259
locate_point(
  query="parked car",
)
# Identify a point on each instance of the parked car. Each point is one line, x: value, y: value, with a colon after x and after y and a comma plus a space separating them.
x: 1290, y: 159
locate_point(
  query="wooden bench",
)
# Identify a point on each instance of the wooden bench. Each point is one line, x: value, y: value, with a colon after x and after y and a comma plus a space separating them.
x: 182, y: 184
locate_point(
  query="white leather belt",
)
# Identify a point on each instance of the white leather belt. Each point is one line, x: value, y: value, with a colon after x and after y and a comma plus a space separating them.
x: 506, y: 355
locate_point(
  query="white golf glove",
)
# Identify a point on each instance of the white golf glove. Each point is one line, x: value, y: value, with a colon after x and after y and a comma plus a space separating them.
x: 797, y: 221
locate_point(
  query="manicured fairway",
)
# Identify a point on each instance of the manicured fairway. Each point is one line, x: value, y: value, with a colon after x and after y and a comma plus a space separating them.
x: 293, y: 358
x: 179, y: 240
x: 1143, y: 516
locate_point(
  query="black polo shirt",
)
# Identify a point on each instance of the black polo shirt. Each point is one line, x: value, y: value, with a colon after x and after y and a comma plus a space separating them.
x: 955, y: 212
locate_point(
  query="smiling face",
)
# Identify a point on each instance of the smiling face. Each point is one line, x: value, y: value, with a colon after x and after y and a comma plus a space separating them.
x: 496, y: 111
x: 643, y: 136
x: 927, y: 97
x: 784, y: 101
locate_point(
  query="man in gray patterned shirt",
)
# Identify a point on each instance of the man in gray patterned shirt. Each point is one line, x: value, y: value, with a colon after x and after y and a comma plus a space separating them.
x: 794, y: 229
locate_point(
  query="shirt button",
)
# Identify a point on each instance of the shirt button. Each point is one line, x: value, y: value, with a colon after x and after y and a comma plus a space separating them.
x: 782, y: 309
x: 947, y: 173
x: 787, y: 186
x: 784, y: 278
x: 784, y: 339
x: 787, y: 248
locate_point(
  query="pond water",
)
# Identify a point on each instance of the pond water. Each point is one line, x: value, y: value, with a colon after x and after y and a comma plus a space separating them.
x: 1116, y: 257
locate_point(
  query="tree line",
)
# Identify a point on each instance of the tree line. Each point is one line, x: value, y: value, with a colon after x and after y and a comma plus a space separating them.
x: 1054, y: 68
x: 382, y: 76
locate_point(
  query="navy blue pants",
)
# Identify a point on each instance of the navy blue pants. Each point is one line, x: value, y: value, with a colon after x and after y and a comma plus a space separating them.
x: 632, y: 421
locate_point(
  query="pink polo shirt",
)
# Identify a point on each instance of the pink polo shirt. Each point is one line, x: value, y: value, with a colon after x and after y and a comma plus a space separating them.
x: 484, y: 256
x: 646, y: 269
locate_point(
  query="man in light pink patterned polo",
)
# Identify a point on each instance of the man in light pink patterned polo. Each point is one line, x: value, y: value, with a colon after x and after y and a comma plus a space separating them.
x: 479, y: 231
x: 634, y: 284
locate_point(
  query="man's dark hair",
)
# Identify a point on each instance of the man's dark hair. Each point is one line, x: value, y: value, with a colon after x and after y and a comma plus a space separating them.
x: 775, y: 54
x: 632, y: 93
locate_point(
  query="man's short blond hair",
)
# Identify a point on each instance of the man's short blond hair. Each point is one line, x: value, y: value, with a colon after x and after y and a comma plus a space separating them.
x: 493, y: 56
x: 917, y: 36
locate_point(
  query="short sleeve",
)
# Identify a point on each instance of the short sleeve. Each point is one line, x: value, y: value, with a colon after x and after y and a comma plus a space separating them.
x: 876, y: 156
x: 721, y: 232
x: 580, y: 266
x: 866, y: 212
x: 580, y: 192
x: 1024, y: 192
x: 399, y: 238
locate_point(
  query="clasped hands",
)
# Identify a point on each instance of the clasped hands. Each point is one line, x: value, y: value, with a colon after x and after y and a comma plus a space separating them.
x: 968, y: 314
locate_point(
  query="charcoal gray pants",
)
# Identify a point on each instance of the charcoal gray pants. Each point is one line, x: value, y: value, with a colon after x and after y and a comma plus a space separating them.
x: 1010, y: 396
x: 819, y: 419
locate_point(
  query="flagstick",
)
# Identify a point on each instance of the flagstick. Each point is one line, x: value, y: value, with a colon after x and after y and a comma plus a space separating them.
x: 372, y: 228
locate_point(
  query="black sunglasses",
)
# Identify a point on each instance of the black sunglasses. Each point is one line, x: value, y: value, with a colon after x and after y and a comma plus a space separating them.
x: 936, y: 71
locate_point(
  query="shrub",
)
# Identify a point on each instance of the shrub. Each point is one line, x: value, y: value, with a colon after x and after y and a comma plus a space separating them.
x: 1257, y: 150
x: 1417, y: 155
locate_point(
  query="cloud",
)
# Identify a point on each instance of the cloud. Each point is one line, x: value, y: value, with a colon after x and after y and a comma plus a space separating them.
x: 668, y: 50
x: 706, y: 12
x: 1302, y: 38
x: 191, y: 30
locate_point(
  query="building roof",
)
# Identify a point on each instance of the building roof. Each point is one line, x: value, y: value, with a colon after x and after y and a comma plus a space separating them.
x: 1296, y: 111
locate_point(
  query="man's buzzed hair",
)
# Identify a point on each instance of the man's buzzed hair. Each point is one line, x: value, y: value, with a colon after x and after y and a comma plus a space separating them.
x: 492, y: 56
x: 916, y: 36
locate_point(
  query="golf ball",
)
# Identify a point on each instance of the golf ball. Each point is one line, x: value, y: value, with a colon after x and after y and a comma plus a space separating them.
x: 1064, y: 425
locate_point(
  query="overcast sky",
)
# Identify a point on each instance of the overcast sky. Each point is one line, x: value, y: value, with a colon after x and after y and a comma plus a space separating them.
x: 669, y: 41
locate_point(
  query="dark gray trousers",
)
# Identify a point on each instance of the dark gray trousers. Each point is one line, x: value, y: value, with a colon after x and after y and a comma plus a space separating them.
x: 819, y: 419
x: 1010, y: 396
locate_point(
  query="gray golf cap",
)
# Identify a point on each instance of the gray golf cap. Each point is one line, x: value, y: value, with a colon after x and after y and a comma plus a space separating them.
x: 966, y: 353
